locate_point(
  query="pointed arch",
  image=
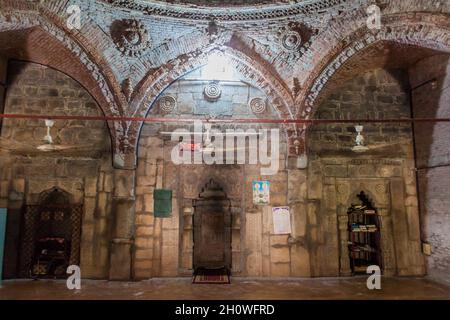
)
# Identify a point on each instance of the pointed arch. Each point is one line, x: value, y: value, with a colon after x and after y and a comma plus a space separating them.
x: 156, y: 82
x: 44, y: 32
x: 425, y: 30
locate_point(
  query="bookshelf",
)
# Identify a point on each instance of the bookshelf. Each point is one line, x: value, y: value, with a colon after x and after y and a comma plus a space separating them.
x: 364, y: 235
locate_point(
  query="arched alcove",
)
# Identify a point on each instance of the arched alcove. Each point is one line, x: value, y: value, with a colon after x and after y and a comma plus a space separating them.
x: 212, y: 228
x: 51, y: 235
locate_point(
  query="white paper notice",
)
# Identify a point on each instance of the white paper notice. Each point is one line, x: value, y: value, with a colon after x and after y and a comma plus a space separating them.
x: 281, y: 220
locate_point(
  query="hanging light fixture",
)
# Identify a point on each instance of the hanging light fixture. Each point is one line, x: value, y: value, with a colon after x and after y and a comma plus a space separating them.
x: 359, y: 141
x: 49, y: 124
x: 48, y: 146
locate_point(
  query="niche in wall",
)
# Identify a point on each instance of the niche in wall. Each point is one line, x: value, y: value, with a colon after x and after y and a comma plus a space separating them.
x: 50, y: 236
x: 364, y: 243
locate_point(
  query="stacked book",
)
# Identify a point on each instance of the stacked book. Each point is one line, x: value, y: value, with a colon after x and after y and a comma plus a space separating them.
x: 363, y: 227
x: 359, y: 209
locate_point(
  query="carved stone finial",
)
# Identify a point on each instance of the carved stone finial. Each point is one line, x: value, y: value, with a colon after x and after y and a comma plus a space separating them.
x: 127, y: 88
x: 213, y: 31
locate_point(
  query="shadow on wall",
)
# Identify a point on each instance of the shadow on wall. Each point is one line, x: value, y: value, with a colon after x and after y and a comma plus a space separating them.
x: 431, y: 99
x: 34, y: 88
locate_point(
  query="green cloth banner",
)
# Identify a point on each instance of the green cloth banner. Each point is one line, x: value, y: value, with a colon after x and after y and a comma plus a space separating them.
x: 2, y: 239
x: 162, y: 204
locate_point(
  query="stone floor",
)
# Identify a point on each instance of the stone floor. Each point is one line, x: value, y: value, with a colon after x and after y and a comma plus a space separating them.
x: 240, y: 289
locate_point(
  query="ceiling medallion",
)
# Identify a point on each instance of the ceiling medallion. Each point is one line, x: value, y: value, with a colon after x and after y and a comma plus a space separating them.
x: 258, y: 105
x: 130, y: 37
x: 212, y: 91
x: 167, y: 104
x: 291, y: 40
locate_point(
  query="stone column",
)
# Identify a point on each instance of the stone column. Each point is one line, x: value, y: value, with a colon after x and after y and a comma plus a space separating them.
x: 297, y: 200
x: 188, y: 240
x: 344, y: 260
x: 123, y: 231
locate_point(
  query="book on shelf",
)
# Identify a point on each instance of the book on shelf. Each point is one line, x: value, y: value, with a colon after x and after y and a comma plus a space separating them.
x: 360, y: 268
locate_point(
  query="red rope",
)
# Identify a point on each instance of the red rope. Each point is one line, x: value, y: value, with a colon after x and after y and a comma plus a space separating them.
x: 183, y: 120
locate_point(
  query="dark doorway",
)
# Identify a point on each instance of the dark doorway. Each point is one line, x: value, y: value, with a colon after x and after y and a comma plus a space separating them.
x: 212, y: 229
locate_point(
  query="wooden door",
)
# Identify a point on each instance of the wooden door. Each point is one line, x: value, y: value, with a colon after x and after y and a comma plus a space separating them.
x: 210, y: 240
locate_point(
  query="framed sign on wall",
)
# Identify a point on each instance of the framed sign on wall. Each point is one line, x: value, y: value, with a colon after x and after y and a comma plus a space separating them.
x: 261, y: 192
x: 162, y: 204
x: 281, y: 220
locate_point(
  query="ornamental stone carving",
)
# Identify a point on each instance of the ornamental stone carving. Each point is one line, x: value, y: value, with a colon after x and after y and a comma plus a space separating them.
x: 167, y: 104
x: 290, y: 40
x: 258, y: 105
x: 127, y: 88
x: 212, y: 91
x: 130, y: 37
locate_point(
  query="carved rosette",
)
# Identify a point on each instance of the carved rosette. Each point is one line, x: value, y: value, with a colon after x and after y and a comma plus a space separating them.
x: 290, y: 40
x: 258, y: 105
x: 130, y: 37
x: 212, y: 91
x: 167, y: 104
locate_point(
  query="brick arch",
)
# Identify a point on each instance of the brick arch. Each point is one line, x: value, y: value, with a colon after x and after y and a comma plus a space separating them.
x: 69, y: 51
x: 155, y: 83
x: 425, y: 30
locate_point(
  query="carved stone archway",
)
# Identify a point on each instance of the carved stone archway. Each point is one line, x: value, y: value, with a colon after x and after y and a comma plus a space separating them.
x: 425, y: 30
x: 88, y: 66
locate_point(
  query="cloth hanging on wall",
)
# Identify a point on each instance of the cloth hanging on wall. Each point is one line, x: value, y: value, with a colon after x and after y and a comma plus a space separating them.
x: 162, y: 204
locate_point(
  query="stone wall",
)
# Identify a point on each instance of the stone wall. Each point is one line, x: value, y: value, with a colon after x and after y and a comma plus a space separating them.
x: 164, y: 247
x: 318, y: 197
x: 84, y: 170
x: 380, y: 94
x: 430, y: 79
x: 385, y: 172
